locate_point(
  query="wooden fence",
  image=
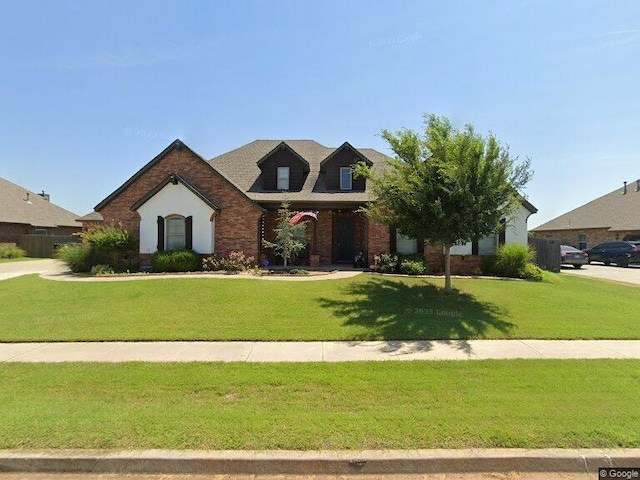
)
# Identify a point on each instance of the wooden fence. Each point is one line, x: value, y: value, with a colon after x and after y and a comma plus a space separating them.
x: 44, y: 245
x: 547, y: 253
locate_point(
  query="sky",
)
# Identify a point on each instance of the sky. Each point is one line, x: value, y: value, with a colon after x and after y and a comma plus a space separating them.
x: 91, y: 91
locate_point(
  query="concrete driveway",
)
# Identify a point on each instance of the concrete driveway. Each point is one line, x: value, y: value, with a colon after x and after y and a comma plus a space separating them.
x: 611, y: 272
x: 46, y: 265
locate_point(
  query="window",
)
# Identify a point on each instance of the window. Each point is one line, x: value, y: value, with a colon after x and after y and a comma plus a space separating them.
x: 40, y: 231
x: 283, y: 178
x: 175, y: 233
x: 345, y: 178
x: 406, y: 245
x: 582, y: 241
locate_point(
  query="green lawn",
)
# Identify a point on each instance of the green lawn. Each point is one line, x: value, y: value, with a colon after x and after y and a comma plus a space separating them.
x: 406, y: 405
x: 365, y: 307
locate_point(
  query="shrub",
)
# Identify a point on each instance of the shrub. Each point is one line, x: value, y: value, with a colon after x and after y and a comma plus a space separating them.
x: 111, y: 245
x: 511, y: 259
x: 11, y: 251
x: 298, y: 271
x: 235, y: 262
x: 79, y: 258
x: 532, y: 272
x: 413, y: 265
x: 102, y: 270
x: 387, y: 263
x: 176, y: 261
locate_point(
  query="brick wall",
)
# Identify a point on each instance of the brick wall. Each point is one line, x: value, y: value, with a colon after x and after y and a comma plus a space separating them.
x: 236, y: 223
x: 571, y: 237
x: 378, y: 239
x: 325, y: 235
x: 9, y: 232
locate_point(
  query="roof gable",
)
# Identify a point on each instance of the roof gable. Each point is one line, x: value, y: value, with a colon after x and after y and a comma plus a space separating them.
x: 177, y: 144
x: 346, y: 146
x: 174, y: 179
x: 283, y: 146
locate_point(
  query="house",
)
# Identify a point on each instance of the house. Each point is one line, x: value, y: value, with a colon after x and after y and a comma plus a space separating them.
x: 23, y: 212
x: 614, y: 216
x: 230, y: 202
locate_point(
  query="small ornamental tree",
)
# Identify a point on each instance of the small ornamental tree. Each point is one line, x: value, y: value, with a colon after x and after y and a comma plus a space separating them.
x: 290, y: 239
x: 446, y: 185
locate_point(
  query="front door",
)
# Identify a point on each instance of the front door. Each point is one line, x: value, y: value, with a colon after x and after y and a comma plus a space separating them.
x: 346, y: 239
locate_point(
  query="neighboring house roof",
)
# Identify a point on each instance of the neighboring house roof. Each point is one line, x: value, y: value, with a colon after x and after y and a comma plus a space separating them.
x: 616, y: 211
x: 19, y: 205
x: 240, y: 167
x: 91, y: 217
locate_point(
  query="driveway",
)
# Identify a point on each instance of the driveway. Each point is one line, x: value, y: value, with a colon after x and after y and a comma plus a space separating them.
x: 46, y: 265
x: 611, y: 272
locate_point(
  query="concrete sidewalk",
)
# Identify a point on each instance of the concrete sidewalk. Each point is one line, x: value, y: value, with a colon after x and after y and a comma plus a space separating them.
x: 315, y: 351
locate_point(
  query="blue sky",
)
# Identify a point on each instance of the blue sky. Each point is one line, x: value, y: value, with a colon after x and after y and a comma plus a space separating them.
x: 91, y: 91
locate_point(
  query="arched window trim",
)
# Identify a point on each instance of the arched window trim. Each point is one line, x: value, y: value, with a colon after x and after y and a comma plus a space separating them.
x: 175, y: 240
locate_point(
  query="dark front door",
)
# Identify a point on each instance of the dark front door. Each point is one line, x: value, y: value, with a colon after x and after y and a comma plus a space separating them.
x: 346, y: 239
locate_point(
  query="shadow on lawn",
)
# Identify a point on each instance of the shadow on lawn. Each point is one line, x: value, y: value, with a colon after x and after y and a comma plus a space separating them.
x: 395, y: 310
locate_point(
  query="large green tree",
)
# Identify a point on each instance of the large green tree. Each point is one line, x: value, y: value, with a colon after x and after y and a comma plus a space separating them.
x: 446, y: 185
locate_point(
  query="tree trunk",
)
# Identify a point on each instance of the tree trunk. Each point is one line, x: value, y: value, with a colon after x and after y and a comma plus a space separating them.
x: 447, y: 270
x: 285, y: 262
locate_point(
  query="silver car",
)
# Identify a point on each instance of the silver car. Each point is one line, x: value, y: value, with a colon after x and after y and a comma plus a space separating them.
x: 572, y: 256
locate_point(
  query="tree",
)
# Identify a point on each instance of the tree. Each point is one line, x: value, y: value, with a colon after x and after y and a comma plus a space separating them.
x: 447, y: 185
x: 290, y: 239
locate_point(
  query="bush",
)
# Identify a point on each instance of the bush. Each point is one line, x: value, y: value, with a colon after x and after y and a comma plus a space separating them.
x: 511, y: 260
x: 10, y: 251
x: 532, y: 272
x: 79, y: 258
x: 414, y: 265
x: 176, y: 261
x: 112, y: 246
x: 387, y: 263
x: 298, y: 271
x: 102, y: 270
x: 235, y: 262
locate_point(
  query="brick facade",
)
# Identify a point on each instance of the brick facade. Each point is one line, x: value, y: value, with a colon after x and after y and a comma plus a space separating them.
x: 10, y: 232
x: 237, y: 221
x: 594, y: 236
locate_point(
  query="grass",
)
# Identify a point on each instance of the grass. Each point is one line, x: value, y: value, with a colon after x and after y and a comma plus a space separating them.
x: 519, y: 403
x: 361, y: 308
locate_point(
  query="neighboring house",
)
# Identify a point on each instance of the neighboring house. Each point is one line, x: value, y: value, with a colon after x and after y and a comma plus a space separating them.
x: 181, y: 200
x: 23, y: 212
x: 614, y: 216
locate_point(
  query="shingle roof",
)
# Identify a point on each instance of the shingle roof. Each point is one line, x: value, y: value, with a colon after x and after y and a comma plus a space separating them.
x: 240, y: 167
x: 19, y: 205
x: 615, y: 211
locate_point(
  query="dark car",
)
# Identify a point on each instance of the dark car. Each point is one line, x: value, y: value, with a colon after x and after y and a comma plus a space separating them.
x: 572, y: 256
x: 620, y: 253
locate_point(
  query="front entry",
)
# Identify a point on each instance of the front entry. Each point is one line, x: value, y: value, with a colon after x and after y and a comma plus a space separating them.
x: 346, y: 239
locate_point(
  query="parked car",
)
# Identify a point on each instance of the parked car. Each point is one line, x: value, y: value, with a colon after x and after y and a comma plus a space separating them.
x: 620, y: 253
x: 572, y: 256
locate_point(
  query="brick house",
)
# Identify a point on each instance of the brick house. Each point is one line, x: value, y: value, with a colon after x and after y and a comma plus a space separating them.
x: 230, y: 202
x: 23, y: 212
x: 614, y: 216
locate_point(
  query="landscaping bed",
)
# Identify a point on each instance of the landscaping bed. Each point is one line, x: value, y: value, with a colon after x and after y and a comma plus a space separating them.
x: 517, y: 403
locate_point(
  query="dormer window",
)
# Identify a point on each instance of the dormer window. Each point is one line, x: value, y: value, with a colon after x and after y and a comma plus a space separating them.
x: 346, y: 177
x: 283, y: 178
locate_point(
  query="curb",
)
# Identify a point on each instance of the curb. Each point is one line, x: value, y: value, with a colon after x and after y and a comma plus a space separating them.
x: 316, y: 462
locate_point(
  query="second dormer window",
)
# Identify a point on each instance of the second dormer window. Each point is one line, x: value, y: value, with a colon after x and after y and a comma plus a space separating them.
x: 283, y: 178
x: 345, y: 178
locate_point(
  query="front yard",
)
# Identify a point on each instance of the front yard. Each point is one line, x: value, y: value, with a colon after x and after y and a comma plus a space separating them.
x: 517, y: 403
x: 366, y: 307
